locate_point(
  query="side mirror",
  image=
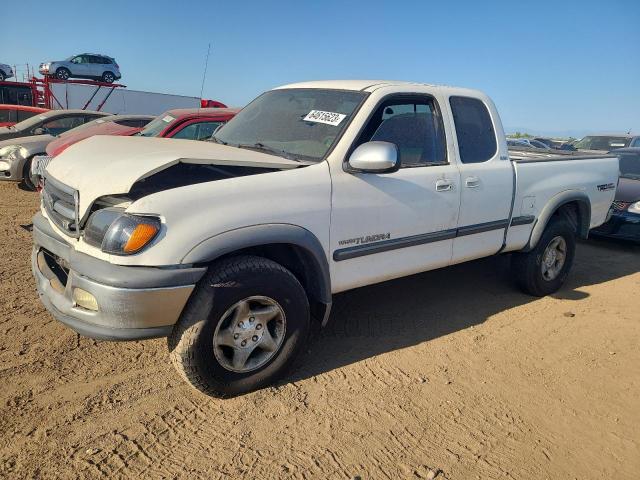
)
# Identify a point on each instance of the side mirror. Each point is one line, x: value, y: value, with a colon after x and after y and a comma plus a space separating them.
x: 375, y: 157
x: 39, y: 131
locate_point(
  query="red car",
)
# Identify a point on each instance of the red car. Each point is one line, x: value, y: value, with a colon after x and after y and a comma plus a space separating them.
x: 188, y: 123
x: 12, y: 114
x: 192, y: 124
x: 184, y: 123
x: 122, y: 125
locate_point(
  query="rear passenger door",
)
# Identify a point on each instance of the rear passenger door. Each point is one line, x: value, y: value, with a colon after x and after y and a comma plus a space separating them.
x: 486, y: 180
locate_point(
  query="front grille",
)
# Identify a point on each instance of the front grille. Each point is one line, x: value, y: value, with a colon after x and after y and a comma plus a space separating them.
x: 60, y: 203
x: 620, y: 206
x: 39, y: 164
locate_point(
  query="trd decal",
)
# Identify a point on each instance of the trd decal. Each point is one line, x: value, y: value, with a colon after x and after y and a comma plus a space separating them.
x: 368, y: 239
x: 606, y: 186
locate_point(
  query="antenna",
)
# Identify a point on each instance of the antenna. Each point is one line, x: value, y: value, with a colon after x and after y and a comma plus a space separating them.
x: 204, y: 75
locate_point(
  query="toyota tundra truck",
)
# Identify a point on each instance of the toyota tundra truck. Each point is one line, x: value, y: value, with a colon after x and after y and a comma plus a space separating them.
x: 233, y: 248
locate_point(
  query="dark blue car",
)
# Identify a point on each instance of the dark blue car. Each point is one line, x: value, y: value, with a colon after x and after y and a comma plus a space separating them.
x: 624, y: 223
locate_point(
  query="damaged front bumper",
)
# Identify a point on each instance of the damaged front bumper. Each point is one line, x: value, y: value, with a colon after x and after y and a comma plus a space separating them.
x: 131, y: 303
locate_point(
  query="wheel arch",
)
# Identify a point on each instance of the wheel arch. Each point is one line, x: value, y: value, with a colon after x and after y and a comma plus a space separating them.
x: 572, y: 205
x: 292, y: 246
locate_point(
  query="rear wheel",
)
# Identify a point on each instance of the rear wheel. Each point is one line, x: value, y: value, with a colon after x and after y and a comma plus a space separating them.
x: 544, y: 269
x: 108, y: 77
x: 244, y: 325
x: 63, y: 73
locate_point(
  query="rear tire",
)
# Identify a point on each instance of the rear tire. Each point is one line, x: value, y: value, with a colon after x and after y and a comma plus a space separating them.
x: 63, y: 73
x: 232, y: 304
x: 108, y: 77
x: 544, y: 269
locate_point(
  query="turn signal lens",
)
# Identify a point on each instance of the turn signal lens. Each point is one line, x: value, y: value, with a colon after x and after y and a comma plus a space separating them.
x: 129, y: 234
x: 140, y: 236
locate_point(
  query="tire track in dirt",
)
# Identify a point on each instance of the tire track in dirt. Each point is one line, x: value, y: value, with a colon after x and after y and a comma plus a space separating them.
x: 451, y: 371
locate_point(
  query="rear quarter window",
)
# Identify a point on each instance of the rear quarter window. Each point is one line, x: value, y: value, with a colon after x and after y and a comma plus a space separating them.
x: 474, y: 129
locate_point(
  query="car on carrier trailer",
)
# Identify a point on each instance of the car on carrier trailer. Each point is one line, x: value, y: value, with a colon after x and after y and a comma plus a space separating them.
x: 232, y: 250
x: 86, y: 65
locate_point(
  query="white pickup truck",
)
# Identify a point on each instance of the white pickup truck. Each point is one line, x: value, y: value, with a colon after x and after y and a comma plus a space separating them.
x: 232, y: 248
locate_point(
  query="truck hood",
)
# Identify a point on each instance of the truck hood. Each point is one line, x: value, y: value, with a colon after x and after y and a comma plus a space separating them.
x: 30, y: 143
x: 103, y: 165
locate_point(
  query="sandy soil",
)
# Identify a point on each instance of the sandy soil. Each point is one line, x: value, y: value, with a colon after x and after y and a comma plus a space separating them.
x: 453, y: 373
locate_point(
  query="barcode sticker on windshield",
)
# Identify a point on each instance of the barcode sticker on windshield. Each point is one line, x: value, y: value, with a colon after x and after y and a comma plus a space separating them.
x: 330, y: 118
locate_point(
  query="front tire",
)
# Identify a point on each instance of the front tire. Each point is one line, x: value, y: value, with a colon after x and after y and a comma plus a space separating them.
x: 242, y: 329
x: 63, y: 73
x: 544, y: 269
x: 27, y: 182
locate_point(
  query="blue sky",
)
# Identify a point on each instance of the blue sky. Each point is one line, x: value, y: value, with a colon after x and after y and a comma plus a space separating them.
x: 551, y: 67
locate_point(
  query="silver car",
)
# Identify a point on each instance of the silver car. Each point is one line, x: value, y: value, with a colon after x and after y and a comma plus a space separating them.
x: 85, y: 65
x: 5, y: 71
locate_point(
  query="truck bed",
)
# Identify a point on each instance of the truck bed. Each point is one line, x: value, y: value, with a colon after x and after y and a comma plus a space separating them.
x: 528, y: 155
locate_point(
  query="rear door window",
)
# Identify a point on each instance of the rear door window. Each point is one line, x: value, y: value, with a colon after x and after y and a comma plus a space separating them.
x: 474, y: 129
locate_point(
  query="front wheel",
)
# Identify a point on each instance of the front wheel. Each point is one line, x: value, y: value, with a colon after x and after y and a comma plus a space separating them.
x: 63, y: 74
x: 243, y: 327
x: 27, y: 179
x: 544, y: 269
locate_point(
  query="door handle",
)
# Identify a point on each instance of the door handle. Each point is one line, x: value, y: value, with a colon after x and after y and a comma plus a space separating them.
x: 472, y: 182
x: 443, y: 186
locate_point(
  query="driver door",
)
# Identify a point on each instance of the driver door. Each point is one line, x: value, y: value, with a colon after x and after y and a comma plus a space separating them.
x: 385, y: 226
x: 79, y: 66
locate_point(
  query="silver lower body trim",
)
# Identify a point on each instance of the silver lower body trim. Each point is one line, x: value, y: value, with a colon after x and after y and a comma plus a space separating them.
x: 118, y: 308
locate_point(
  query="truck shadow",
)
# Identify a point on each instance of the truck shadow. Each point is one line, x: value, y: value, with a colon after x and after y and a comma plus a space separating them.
x: 401, y: 313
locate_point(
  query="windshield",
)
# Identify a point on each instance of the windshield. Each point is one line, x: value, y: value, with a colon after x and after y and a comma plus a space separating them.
x: 293, y: 123
x: 602, y: 143
x: 156, y: 126
x: 88, y: 125
x: 630, y: 165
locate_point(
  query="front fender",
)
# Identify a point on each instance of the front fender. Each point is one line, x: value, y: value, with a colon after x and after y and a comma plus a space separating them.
x: 266, y: 234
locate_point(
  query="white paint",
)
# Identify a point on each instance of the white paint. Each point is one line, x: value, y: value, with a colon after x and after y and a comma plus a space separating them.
x: 330, y: 202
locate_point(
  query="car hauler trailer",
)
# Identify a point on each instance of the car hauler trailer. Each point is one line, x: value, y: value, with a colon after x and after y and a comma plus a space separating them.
x: 110, y: 97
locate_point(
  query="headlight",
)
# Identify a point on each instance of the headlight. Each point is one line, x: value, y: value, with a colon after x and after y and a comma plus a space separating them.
x: 634, y: 208
x: 120, y: 233
x: 12, y: 151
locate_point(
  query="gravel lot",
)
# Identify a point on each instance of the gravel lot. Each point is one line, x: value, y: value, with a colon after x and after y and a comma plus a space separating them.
x: 452, y: 373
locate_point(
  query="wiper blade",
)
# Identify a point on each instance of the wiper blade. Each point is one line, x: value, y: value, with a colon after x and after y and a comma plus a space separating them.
x: 218, y: 141
x: 264, y: 148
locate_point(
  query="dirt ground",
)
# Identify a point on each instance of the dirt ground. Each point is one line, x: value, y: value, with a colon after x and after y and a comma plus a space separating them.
x: 453, y: 373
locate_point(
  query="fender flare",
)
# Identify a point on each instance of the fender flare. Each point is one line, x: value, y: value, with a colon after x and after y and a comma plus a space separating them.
x: 256, y: 235
x: 552, y: 206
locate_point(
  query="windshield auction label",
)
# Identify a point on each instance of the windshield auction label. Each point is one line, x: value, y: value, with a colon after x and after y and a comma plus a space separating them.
x: 330, y: 118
